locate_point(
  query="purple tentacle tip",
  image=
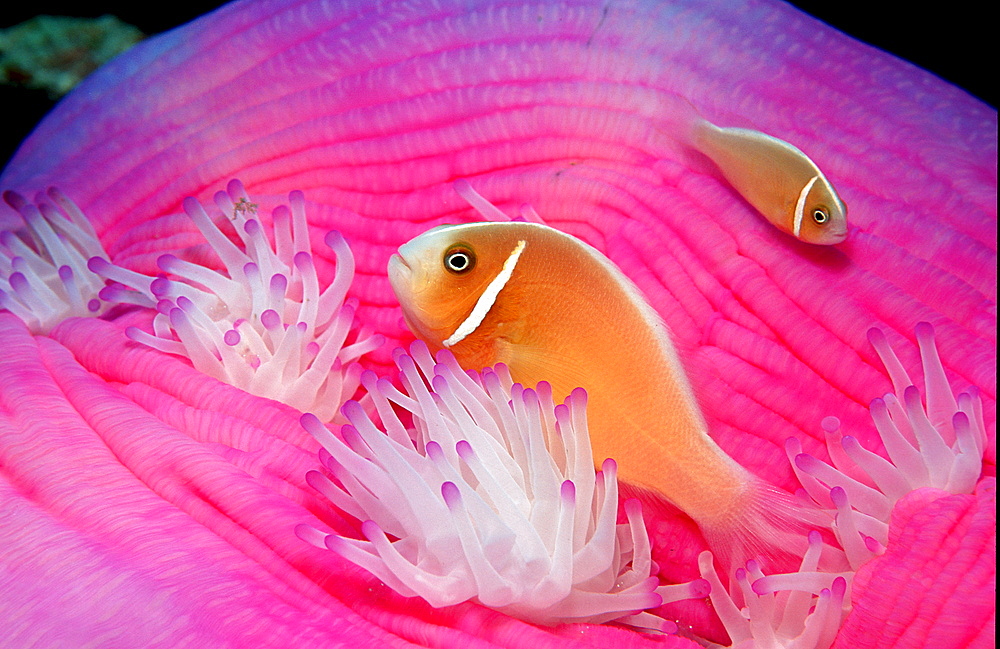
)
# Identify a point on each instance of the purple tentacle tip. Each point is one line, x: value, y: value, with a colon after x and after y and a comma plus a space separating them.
x: 452, y: 496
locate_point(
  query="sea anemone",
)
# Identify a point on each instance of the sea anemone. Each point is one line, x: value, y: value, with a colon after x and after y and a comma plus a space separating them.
x: 266, y: 328
x: 802, y: 610
x: 43, y: 266
x: 491, y: 496
x: 174, y: 495
x: 940, y: 445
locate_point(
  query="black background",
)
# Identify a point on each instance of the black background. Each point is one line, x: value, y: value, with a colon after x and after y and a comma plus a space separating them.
x: 950, y: 42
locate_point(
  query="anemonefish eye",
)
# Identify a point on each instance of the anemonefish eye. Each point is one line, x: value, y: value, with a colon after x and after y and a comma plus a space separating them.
x: 459, y: 259
x: 821, y: 216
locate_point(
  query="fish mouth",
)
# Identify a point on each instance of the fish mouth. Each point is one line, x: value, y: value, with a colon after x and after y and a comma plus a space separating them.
x: 407, y: 277
x: 406, y: 259
x: 403, y: 278
x: 837, y: 236
x: 400, y: 276
x: 405, y: 271
x: 398, y: 264
x: 831, y: 237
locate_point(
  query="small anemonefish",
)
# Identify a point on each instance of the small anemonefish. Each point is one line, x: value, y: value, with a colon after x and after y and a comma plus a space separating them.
x: 778, y: 179
x: 553, y: 308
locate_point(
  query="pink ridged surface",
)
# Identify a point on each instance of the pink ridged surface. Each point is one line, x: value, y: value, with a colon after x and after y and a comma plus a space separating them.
x: 944, y: 545
x: 569, y: 107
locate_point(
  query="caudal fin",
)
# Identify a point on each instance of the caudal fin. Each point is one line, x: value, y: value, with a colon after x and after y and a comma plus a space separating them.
x: 771, y: 526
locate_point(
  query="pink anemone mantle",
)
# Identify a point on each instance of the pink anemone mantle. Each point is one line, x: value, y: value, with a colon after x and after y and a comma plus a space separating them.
x: 145, y: 504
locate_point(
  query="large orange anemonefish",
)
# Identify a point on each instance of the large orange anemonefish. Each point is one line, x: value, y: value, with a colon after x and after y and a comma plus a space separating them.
x: 553, y: 308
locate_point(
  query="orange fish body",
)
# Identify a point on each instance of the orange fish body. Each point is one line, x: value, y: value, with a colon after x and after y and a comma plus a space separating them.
x: 552, y: 308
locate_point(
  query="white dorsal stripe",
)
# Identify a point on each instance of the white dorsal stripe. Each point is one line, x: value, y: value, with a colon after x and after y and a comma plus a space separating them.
x: 488, y: 298
x: 800, y: 205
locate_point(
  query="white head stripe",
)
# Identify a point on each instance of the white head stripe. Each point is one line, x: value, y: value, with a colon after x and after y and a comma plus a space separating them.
x: 486, y: 300
x: 800, y: 205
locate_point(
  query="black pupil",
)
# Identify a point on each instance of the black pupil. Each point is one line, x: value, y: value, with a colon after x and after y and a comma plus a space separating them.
x: 820, y: 216
x: 457, y: 261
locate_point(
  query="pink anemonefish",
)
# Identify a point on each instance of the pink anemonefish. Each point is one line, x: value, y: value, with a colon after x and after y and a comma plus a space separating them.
x: 780, y: 181
x: 553, y: 308
x: 776, y: 178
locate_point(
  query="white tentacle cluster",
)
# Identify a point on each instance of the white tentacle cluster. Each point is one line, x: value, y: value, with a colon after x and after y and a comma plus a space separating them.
x: 940, y: 445
x: 491, y: 497
x: 263, y: 326
x: 800, y: 610
x: 43, y: 267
